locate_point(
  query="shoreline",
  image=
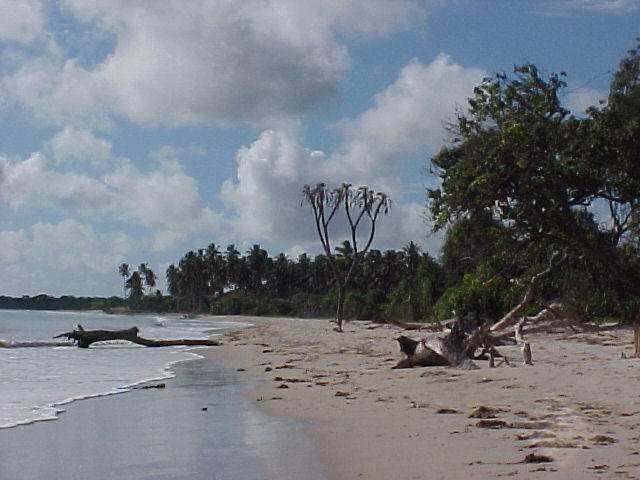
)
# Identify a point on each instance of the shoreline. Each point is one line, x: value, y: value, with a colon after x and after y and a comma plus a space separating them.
x: 199, y: 425
x: 578, y: 403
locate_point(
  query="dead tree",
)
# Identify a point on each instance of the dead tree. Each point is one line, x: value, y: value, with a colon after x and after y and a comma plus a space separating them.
x: 360, y: 205
x: 84, y: 338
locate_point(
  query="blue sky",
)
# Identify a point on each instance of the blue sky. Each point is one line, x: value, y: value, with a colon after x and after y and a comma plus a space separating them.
x: 137, y: 130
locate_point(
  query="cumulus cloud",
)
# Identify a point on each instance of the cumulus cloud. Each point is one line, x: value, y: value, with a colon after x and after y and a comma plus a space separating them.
x: 71, y: 145
x: 67, y: 245
x: 12, y: 245
x: 205, y: 61
x: 167, y: 239
x: 62, y: 92
x: 166, y: 196
x: 271, y: 173
x: 170, y: 152
x: 159, y: 198
x: 31, y: 183
x: 409, y: 114
x: 407, y: 117
x: 20, y: 21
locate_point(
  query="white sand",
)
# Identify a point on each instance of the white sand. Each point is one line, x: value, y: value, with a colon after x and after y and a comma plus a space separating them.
x: 579, y: 403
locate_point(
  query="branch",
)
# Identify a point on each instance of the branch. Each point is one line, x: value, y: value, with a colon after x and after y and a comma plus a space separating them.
x: 509, y: 318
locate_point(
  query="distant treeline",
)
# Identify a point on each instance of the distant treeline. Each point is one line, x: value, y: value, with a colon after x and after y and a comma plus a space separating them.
x: 402, y: 283
x: 67, y: 302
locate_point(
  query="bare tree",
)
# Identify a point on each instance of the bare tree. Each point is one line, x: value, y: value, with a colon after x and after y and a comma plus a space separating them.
x: 360, y: 205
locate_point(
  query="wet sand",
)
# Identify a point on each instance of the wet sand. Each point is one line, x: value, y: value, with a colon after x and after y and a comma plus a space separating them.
x: 199, y: 427
x: 578, y: 404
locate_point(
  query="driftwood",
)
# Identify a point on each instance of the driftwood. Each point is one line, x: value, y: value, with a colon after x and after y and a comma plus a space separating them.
x: 417, y: 355
x: 434, y: 350
x: 84, y: 338
x: 450, y: 352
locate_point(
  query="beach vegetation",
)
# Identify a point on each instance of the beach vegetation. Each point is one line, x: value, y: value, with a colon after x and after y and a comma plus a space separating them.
x: 529, y: 191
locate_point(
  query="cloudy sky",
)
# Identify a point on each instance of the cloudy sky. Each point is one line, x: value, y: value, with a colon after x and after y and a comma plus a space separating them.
x: 137, y: 130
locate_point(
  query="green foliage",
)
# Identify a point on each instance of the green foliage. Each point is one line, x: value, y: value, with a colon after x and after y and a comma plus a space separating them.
x: 523, y: 180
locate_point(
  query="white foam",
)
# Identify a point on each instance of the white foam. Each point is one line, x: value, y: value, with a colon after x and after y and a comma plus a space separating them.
x: 36, y: 382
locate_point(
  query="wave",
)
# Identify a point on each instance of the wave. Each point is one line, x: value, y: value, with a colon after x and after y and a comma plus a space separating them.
x: 10, y: 344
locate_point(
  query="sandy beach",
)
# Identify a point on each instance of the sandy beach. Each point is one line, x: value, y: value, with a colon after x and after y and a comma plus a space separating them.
x: 578, y: 404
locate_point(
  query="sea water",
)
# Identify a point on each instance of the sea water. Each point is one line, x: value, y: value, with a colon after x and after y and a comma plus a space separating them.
x: 37, y: 380
x: 199, y: 427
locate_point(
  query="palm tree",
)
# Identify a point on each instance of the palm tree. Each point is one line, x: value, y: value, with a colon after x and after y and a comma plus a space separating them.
x: 215, y: 268
x: 258, y: 263
x: 234, y: 266
x: 124, y: 273
x: 147, y: 275
x: 136, y: 293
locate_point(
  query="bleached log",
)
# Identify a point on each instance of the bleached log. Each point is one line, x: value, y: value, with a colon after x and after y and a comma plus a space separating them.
x: 432, y: 351
x: 84, y: 338
x: 453, y: 355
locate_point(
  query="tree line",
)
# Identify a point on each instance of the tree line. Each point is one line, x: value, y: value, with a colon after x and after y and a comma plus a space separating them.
x: 227, y: 282
x: 537, y: 205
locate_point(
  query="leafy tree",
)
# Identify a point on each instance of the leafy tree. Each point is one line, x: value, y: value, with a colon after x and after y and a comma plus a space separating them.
x: 523, y: 178
x: 511, y: 171
x: 358, y: 205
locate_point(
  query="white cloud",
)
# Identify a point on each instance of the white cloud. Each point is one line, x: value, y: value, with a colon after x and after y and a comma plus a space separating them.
x: 205, y: 61
x: 20, y: 20
x: 409, y: 114
x: 67, y: 245
x: 163, y: 197
x: 167, y: 239
x: 11, y: 245
x: 407, y: 117
x: 31, y: 183
x: 62, y: 92
x: 80, y: 146
x: 267, y: 194
x: 170, y: 152
x: 578, y: 100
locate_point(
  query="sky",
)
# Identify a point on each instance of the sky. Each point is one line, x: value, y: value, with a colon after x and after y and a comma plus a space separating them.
x: 134, y: 131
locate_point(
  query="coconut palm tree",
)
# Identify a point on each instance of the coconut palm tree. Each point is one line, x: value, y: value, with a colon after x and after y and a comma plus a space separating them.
x: 124, y: 273
x: 136, y: 292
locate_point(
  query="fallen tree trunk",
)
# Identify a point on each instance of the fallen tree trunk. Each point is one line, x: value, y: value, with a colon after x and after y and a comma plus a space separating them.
x: 84, y: 338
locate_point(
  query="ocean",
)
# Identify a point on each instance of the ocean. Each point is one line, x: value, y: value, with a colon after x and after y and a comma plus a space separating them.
x: 69, y: 413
